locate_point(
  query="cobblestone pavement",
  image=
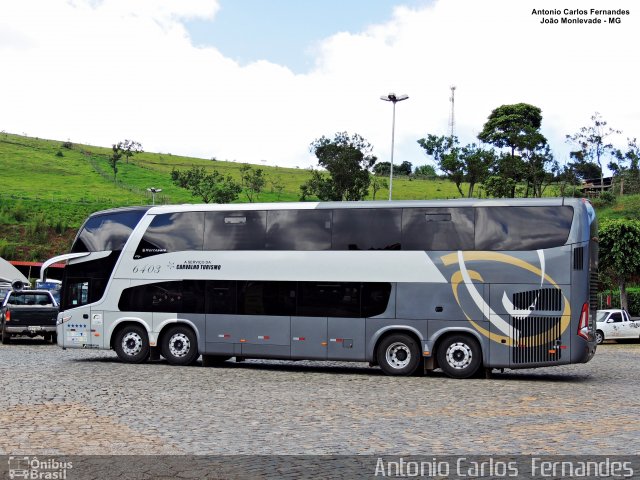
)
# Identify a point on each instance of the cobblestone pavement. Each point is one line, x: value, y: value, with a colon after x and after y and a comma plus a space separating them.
x: 78, y: 402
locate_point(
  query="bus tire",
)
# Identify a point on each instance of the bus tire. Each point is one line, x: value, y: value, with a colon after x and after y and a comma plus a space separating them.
x: 398, y: 354
x: 599, y: 337
x: 132, y: 344
x: 459, y: 356
x: 180, y: 345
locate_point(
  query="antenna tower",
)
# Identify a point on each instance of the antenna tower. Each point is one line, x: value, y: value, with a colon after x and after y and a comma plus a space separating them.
x: 452, y: 121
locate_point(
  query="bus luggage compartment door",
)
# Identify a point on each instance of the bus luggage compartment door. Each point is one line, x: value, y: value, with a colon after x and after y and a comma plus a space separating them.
x: 346, y: 338
x: 309, y: 338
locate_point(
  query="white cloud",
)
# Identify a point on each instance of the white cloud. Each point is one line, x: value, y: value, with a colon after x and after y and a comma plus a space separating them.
x: 98, y: 72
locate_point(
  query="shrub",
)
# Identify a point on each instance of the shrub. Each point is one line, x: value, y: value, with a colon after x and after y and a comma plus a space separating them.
x: 7, y: 250
x: 59, y: 154
x: 67, y: 145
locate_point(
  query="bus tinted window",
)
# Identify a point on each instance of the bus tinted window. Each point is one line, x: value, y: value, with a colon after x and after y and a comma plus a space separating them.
x: 324, y: 299
x: 221, y: 297
x: 299, y: 230
x: 375, y: 298
x: 437, y: 228
x: 366, y: 229
x: 522, y: 228
x: 107, y: 232
x: 85, y: 282
x: 155, y: 297
x: 235, y: 230
x: 266, y: 298
x: 172, y: 232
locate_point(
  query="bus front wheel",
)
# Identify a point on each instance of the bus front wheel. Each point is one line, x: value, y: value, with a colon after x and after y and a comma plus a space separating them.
x: 398, y: 354
x: 132, y: 344
x: 459, y: 356
x: 180, y: 346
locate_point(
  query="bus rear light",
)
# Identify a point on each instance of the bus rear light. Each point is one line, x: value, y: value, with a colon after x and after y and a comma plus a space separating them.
x: 583, y: 324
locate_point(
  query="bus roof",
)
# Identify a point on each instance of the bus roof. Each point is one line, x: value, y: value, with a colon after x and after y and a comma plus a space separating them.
x: 463, y: 202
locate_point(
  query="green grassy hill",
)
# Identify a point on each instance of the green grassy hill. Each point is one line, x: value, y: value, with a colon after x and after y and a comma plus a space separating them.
x: 49, y: 187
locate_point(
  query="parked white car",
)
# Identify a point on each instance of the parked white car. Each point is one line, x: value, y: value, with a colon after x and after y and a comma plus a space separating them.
x: 614, y: 324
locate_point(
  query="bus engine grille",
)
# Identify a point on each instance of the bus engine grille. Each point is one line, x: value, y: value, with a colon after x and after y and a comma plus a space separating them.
x: 536, y: 340
x: 549, y: 299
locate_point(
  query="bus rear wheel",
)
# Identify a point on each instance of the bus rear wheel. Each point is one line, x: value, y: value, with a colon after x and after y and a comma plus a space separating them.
x: 132, y: 344
x: 180, y: 346
x: 398, y: 354
x: 459, y: 356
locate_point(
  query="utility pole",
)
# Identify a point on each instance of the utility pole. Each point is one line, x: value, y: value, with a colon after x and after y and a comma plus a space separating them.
x: 452, y: 121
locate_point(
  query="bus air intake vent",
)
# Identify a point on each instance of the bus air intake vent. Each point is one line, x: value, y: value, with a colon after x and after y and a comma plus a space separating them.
x: 545, y: 299
x: 594, y: 284
x: 536, y: 340
x: 578, y: 258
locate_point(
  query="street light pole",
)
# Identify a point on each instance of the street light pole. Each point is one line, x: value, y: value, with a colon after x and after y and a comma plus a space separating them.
x: 153, y: 191
x: 393, y: 98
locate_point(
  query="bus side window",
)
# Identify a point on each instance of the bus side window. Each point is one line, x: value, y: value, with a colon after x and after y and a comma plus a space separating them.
x: 522, y: 228
x: 242, y: 230
x: 437, y: 228
x: 366, y: 229
x: 299, y: 230
x: 172, y: 232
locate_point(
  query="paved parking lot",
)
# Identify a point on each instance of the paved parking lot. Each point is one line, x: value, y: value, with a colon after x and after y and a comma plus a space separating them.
x: 76, y: 402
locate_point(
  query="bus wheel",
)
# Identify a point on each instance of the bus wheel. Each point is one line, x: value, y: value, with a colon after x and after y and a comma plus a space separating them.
x: 459, y: 356
x: 180, y: 346
x: 599, y: 337
x: 132, y: 344
x: 398, y: 354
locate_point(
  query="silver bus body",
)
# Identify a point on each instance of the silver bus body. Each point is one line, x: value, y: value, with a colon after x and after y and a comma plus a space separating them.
x: 461, y: 285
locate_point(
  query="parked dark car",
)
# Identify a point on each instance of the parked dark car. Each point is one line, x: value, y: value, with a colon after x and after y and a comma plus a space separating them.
x: 30, y: 313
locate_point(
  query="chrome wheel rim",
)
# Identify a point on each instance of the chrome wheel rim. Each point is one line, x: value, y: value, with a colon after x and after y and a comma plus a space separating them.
x: 398, y: 355
x: 132, y: 344
x: 179, y: 345
x: 599, y: 338
x: 459, y: 355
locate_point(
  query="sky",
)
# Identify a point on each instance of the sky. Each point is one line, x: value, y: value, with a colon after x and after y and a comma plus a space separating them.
x: 257, y: 81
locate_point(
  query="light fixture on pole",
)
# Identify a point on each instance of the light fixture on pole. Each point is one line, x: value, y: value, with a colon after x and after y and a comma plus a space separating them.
x: 393, y: 98
x: 153, y: 191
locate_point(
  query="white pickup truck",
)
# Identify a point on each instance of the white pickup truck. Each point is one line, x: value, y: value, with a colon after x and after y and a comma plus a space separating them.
x: 614, y: 324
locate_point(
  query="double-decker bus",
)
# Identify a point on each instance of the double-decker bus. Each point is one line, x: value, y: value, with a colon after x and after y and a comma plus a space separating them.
x: 462, y: 285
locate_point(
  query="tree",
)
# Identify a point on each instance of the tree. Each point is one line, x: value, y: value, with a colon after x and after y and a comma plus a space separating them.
x: 130, y: 148
x: 213, y: 187
x: 467, y: 164
x: 540, y: 169
x: 619, y: 253
x: 382, y: 168
x: 445, y: 152
x: 347, y: 160
x: 253, y: 181
x: 377, y: 184
x: 404, y: 168
x: 426, y: 171
x: 592, y: 143
x: 277, y: 186
x: 516, y: 127
x: 626, y: 167
x: 114, y: 158
x: 476, y: 163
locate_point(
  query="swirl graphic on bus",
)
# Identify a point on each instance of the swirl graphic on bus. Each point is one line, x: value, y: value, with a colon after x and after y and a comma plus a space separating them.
x: 464, y: 283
